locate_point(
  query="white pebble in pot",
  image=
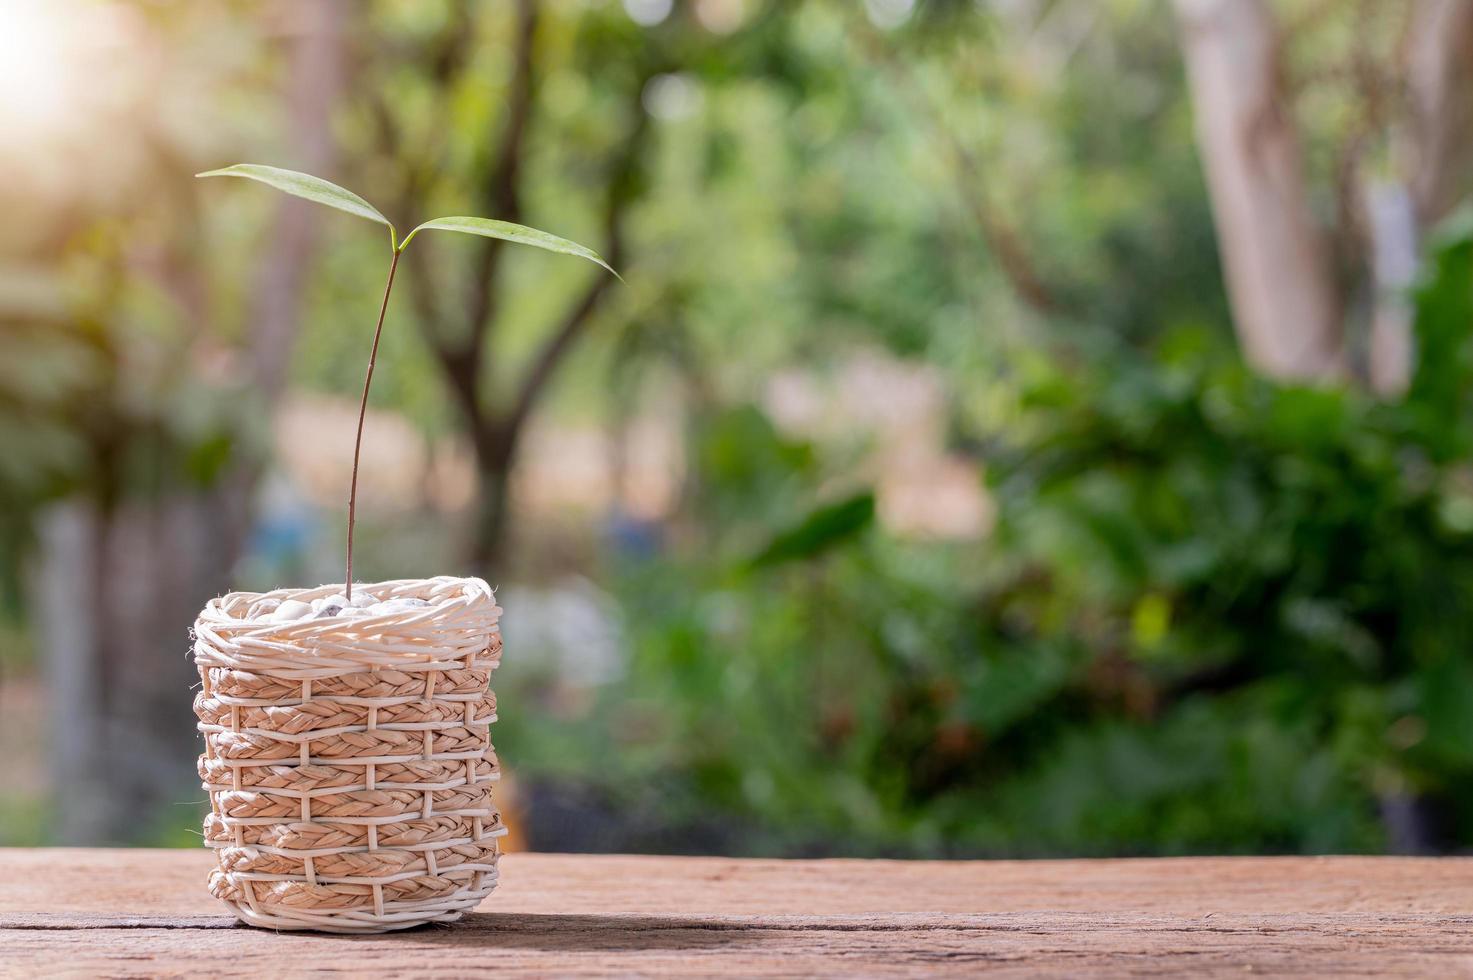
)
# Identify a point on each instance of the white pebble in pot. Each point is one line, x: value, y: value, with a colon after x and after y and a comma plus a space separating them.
x: 290, y: 611
x: 396, y: 606
x: 328, y: 606
x: 261, y: 608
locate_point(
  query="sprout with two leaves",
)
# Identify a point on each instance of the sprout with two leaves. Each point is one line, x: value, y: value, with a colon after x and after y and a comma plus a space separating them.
x: 323, y: 192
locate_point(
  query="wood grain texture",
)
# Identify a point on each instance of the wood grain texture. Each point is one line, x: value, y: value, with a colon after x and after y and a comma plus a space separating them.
x: 146, y: 913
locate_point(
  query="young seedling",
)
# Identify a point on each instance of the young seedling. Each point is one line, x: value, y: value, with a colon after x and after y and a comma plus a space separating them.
x: 323, y: 192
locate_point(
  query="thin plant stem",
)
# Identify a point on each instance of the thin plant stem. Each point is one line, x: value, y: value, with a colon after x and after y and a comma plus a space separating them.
x: 362, y: 413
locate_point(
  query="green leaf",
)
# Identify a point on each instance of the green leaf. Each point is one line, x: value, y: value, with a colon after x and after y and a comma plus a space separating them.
x: 506, y: 231
x: 824, y: 528
x: 305, y: 186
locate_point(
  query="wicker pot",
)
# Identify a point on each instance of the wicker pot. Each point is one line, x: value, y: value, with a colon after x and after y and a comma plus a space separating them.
x: 349, y: 760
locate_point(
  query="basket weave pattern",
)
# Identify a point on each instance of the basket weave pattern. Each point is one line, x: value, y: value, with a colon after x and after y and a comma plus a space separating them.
x: 348, y: 760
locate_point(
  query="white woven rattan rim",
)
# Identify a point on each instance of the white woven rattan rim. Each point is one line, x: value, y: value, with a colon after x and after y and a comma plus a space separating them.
x: 461, y: 612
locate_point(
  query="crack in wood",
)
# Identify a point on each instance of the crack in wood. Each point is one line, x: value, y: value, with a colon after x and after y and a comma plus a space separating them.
x: 39, y: 924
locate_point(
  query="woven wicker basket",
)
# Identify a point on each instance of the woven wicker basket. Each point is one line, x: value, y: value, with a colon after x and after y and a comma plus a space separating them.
x: 349, y: 761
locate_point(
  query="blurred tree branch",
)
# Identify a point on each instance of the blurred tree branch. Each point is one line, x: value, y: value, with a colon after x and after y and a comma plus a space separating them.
x: 1001, y: 238
x: 500, y: 193
x: 620, y: 193
x: 463, y: 344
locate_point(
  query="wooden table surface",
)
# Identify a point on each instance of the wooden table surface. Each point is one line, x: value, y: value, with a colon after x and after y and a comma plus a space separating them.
x: 146, y: 913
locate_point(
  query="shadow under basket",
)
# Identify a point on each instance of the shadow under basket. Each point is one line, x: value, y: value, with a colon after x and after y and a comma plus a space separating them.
x: 348, y: 759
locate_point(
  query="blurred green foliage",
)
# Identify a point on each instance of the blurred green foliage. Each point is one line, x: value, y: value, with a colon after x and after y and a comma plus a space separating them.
x: 1217, y: 614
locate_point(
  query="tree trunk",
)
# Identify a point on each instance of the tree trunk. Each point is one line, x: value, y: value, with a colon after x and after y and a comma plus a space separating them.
x: 494, y: 454
x: 315, y: 86
x: 1439, y: 144
x: 1285, y: 307
x: 117, y: 590
x: 1391, y: 224
x: 1435, y: 157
